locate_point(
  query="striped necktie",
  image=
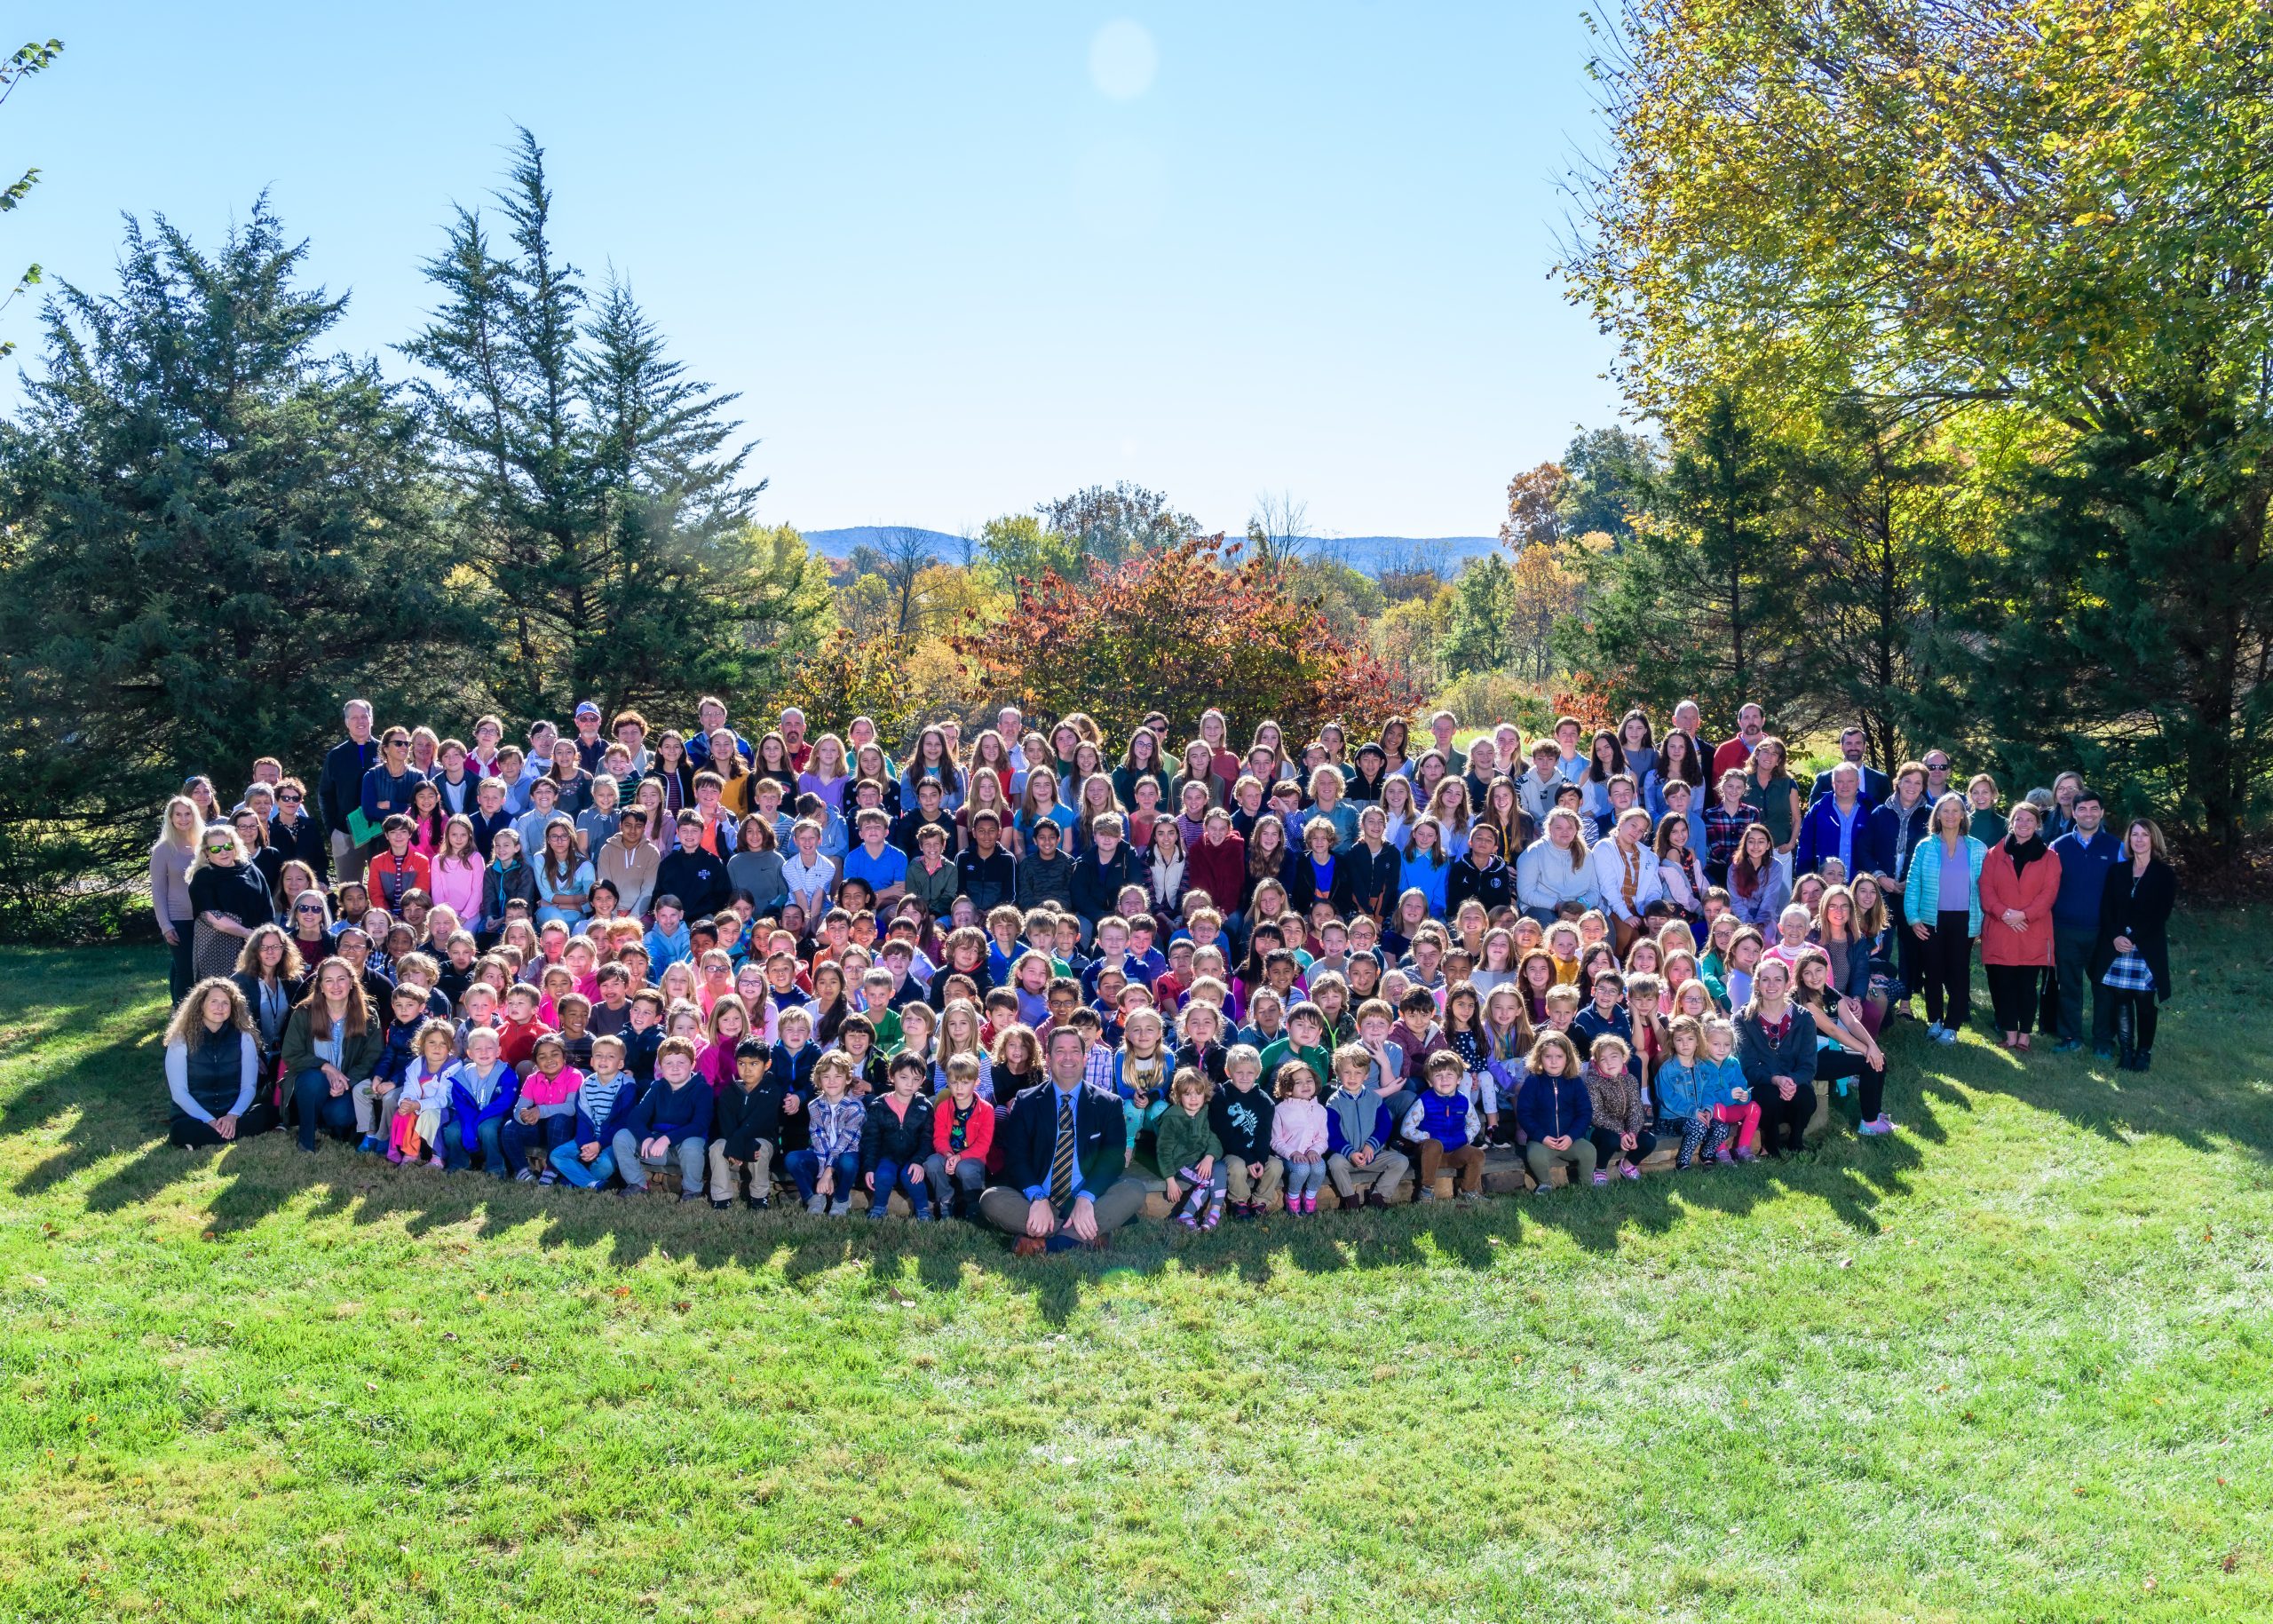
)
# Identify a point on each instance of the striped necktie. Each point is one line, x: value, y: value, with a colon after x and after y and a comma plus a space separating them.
x: 1061, y: 1159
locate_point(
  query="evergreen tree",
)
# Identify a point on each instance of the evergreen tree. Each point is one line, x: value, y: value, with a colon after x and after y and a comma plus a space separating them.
x: 599, y: 497
x: 1705, y: 601
x: 216, y: 533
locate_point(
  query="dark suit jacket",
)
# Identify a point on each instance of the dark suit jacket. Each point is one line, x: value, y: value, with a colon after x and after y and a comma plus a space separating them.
x: 1029, y: 1134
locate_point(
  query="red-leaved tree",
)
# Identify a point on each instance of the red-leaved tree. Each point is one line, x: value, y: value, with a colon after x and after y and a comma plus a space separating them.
x: 1177, y: 630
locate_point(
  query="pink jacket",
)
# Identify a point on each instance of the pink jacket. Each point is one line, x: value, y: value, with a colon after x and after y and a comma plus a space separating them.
x: 457, y: 888
x: 537, y: 1090
x: 1298, y: 1129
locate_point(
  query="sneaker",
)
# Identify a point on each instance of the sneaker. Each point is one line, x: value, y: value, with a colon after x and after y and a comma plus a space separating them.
x: 547, y: 1177
x: 525, y: 1177
x: 2067, y: 1046
x: 1247, y: 1211
x: 1310, y: 1205
x: 1541, y: 1189
x: 1742, y: 1154
x: 1626, y: 1169
x: 757, y: 1203
x: 2101, y: 1054
x: 1214, y: 1216
x: 879, y: 1211
x: 1602, y: 1176
x: 1879, y: 1124
x: 841, y: 1209
x: 1375, y: 1199
x: 817, y: 1205
x: 721, y: 1204
x: 1724, y: 1155
x: 394, y: 1155
x: 1946, y: 1035
x: 368, y: 1145
x: 1470, y: 1195
x: 1187, y: 1220
x: 1426, y: 1192
x: 439, y: 1162
x: 1934, y: 1029
x: 624, y: 1193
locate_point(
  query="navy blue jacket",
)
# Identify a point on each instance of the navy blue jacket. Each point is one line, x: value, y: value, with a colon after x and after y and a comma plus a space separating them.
x: 1892, y: 836
x: 1551, y: 1107
x: 2083, y: 868
x: 339, y: 787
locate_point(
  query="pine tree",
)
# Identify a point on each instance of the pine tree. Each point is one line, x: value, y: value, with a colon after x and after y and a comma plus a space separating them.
x: 601, y: 498
x: 216, y: 533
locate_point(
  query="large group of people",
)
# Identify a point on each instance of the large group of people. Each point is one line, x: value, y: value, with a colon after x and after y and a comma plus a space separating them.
x: 1003, y: 974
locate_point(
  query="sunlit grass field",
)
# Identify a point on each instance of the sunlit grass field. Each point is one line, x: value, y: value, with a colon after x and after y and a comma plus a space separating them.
x: 2015, y: 1363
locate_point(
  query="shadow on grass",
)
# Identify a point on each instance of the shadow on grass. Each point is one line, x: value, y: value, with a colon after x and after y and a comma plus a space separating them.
x: 102, y: 1102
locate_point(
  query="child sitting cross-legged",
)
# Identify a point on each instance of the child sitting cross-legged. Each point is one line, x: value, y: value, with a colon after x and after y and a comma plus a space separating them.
x: 1298, y: 1135
x: 1191, y: 1157
x: 1445, y: 1129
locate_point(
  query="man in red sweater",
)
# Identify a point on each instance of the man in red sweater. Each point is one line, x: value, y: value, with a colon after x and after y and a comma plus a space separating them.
x: 1752, y: 725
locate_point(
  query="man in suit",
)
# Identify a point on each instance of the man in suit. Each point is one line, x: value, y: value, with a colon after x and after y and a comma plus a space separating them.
x: 1064, y: 1162
x: 1876, y: 786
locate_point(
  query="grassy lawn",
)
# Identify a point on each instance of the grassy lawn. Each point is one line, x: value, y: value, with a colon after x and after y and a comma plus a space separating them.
x: 2016, y: 1362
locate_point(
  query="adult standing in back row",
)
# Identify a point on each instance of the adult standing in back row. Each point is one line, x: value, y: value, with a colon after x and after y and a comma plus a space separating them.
x: 2133, y: 957
x: 339, y: 788
x: 2086, y: 853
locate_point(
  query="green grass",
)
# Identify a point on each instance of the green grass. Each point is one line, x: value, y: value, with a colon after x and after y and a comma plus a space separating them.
x: 2016, y: 1362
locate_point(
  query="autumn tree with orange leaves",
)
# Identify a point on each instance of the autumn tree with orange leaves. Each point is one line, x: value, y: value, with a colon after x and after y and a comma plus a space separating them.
x: 1177, y: 630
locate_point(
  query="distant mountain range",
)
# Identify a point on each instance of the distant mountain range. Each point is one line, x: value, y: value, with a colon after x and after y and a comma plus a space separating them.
x: 1370, y: 554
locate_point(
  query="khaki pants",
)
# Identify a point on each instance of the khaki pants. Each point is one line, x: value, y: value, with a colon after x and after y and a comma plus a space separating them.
x: 373, y: 1113
x: 1467, y: 1161
x: 1381, y: 1176
x: 346, y: 858
x: 1245, y: 1186
x: 1005, y: 1207
x: 726, y: 1177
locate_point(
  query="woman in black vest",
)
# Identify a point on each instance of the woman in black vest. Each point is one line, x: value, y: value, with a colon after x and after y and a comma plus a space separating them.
x: 213, y: 1067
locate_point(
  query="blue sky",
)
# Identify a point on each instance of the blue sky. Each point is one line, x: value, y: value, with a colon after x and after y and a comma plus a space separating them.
x: 957, y: 259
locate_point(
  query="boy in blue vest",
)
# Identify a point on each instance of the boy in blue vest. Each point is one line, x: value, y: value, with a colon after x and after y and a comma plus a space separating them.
x: 1446, y: 1130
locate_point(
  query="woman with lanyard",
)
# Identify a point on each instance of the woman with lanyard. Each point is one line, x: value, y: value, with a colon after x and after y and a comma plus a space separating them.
x: 1776, y: 1045
x: 2133, y: 957
x: 171, y: 858
x: 2020, y: 879
x: 1941, y: 901
x: 331, y: 1044
x: 213, y: 1068
x: 269, y: 972
x: 228, y: 900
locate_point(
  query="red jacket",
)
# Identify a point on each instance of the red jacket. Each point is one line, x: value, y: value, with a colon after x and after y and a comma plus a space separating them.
x: 979, y: 1133
x: 1219, y: 871
x: 388, y: 879
x: 2032, y: 891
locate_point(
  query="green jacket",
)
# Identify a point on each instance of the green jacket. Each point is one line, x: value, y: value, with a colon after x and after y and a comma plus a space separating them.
x: 360, y: 1060
x: 1184, y: 1138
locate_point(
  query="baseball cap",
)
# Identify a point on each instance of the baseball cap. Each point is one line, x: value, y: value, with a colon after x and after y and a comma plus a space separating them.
x: 588, y: 709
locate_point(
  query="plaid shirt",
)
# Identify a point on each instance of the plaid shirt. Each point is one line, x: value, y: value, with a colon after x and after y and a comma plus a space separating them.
x: 1724, y: 828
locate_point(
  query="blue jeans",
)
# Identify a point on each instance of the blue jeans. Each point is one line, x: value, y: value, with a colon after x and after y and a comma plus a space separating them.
x: 908, y: 1178
x: 805, y: 1166
x: 320, y: 1107
x: 584, y: 1175
x: 456, y: 1158
x: 519, y: 1138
